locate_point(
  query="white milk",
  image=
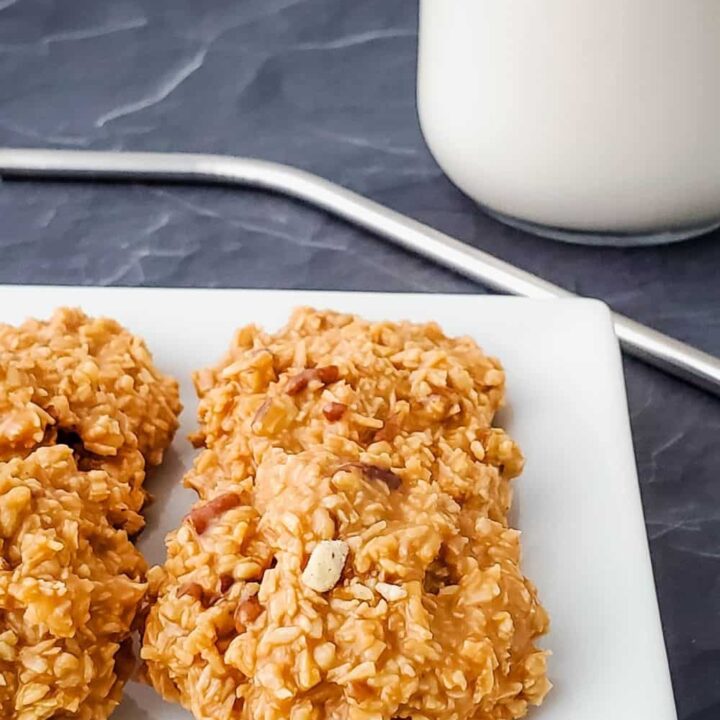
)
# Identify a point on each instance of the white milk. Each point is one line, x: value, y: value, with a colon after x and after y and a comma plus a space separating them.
x: 594, y: 115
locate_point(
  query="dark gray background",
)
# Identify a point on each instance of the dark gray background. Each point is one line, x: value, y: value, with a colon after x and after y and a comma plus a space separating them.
x: 328, y: 85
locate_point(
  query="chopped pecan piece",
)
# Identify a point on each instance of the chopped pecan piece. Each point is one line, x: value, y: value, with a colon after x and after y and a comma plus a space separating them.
x: 226, y: 582
x: 197, y: 439
x: 375, y: 472
x: 326, y: 375
x: 193, y: 589
x: 201, y: 516
x: 389, y: 430
x: 199, y: 593
x: 246, y: 612
x: 333, y: 411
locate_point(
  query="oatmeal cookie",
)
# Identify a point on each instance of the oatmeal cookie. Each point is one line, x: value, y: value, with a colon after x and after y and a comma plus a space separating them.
x: 349, y: 557
x: 401, y: 394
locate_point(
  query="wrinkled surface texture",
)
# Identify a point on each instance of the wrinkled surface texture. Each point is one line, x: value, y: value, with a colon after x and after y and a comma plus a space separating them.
x: 419, y: 608
x: 90, y: 384
x: 329, y: 85
x: 83, y: 412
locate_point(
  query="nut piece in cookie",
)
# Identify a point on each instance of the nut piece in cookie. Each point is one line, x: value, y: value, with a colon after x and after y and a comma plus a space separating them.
x: 325, y: 565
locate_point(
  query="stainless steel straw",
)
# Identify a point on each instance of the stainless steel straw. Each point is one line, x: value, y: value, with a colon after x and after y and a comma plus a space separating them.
x: 666, y: 353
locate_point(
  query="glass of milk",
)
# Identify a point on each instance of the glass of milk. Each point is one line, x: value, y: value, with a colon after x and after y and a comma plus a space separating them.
x: 586, y: 120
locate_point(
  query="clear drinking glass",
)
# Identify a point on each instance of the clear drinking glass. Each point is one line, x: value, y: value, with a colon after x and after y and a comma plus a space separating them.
x: 593, y: 121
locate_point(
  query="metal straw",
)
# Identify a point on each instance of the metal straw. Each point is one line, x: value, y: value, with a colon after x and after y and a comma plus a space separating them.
x: 666, y: 353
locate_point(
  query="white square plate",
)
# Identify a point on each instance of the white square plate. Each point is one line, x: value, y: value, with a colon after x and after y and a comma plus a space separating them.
x: 577, y: 503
